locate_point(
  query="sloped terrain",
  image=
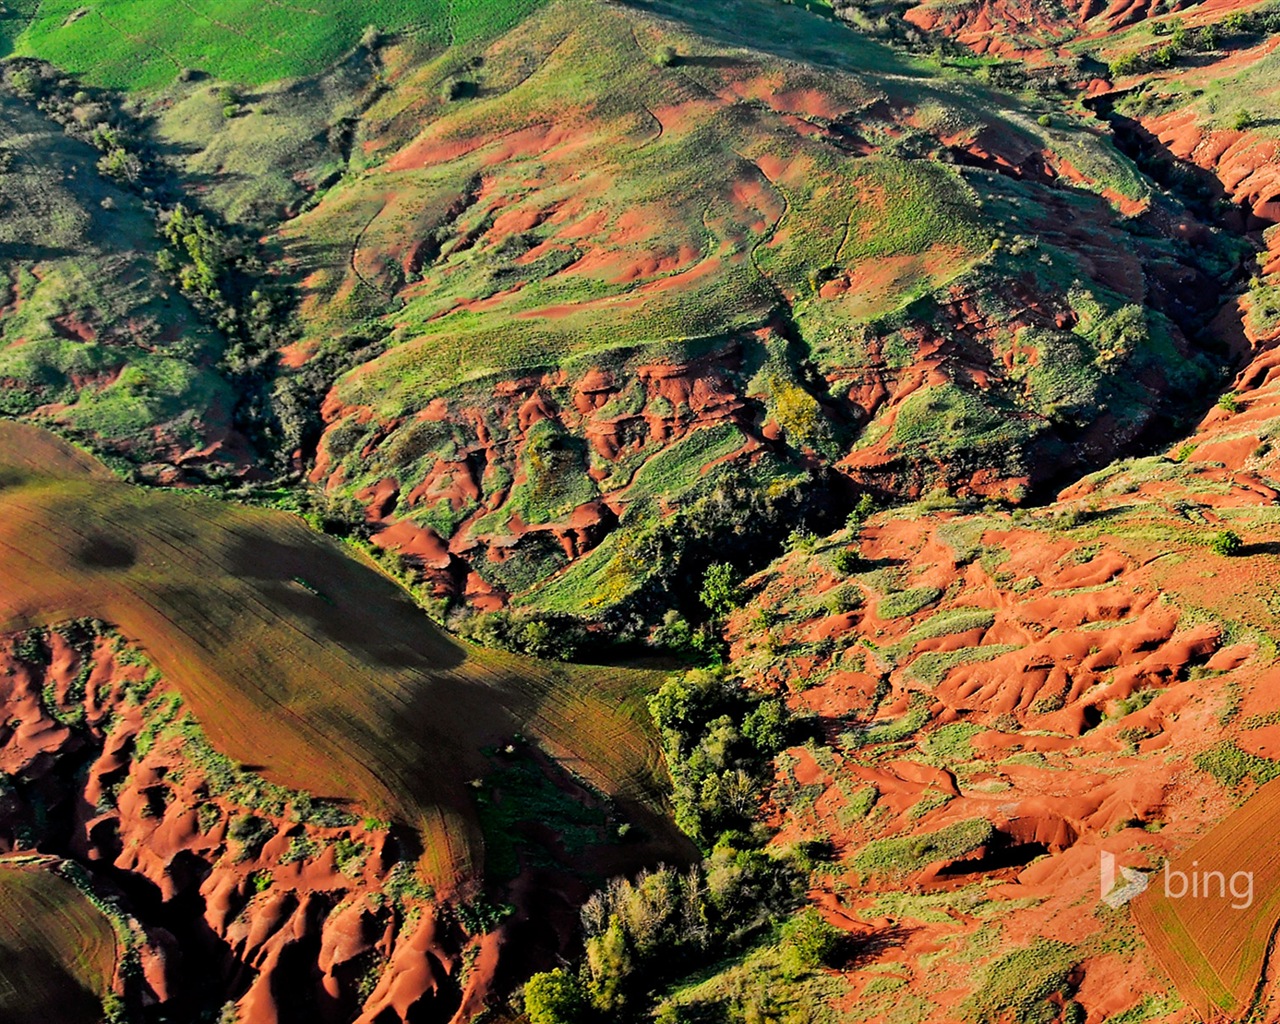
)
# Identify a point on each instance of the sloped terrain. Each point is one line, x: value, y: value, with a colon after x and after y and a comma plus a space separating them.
x: 585, y: 314
x: 338, y: 683
x: 93, y: 338
x: 51, y: 973
x: 585, y: 325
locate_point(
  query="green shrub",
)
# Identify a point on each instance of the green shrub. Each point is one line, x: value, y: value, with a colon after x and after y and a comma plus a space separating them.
x: 554, y: 997
x: 1226, y: 542
x: 1229, y: 402
x: 665, y: 56
x: 808, y: 942
x: 844, y: 598
x: 846, y: 561
x: 251, y: 832
x: 861, y: 513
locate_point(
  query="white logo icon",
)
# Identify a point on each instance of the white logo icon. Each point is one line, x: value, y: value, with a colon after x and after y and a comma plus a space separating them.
x: 1119, y: 887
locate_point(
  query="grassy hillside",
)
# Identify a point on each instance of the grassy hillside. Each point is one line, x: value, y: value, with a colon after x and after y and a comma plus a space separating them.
x: 300, y: 658
x: 91, y: 334
x: 634, y: 225
x: 60, y: 969
x: 139, y: 44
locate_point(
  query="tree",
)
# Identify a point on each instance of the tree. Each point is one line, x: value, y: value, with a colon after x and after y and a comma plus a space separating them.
x: 554, y: 997
x: 860, y: 514
x: 808, y: 942
x: 845, y: 561
x: 720, y: 592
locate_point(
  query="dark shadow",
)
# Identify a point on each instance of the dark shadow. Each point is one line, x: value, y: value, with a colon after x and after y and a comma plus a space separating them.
x: 100, y: 552
x: 30, y: 252
x: 782, y: 30
x: 709, y: 62
x: 868, y: 949
x: 1267, y: 547
x: 999, y: 856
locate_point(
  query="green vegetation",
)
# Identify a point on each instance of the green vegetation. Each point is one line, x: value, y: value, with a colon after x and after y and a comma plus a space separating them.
x: 1231, y: 766
x: 1018, y: 986
x: 554, y: 997
x: 809, y: 942
x: 900, y: 854
x: 718, y: 740
x: 131, y: 45
x: 721, y: 592
x: 951, y: 743
x: 1226, y: 542
x: 907, y: 602
x: 932, y: 667
x: 521, y: 798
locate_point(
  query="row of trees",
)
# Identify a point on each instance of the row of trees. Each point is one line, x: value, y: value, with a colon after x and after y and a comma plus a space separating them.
x: 641, y: 934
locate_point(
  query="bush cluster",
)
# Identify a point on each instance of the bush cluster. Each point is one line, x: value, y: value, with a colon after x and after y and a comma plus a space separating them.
x: 719, y: 741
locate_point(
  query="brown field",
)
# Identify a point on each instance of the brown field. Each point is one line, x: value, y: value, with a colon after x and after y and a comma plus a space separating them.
x: 60, y: 970
x: 1213, y: 951
x: 341, y: 686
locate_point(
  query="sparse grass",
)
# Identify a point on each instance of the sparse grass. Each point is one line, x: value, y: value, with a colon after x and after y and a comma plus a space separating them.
x: 932, y: 667
x: 1231, y: 766
x: 902, y: 603
x: 1017, y: 987
x: 952, y: 742
x: 900, y: 854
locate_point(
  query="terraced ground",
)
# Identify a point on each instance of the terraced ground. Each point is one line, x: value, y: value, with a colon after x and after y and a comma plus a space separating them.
x: 296, y: 656
x: 57, y: 952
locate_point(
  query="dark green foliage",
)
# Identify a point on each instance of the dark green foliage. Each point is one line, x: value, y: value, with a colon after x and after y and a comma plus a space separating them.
x: 481, y: 915
x: 522, y: 797
x: 251, y: 832
x: 846, y: 561
x: 641, y: 933
x: 721, y: 592
x: 718, y: 739
x: 546, y: 635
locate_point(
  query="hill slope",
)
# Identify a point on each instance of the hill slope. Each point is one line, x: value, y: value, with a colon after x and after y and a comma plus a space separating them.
x: 604, y: 283
x: 297, y: 657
